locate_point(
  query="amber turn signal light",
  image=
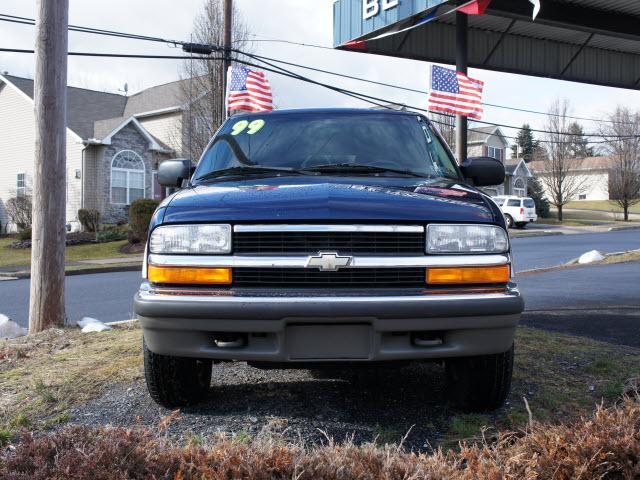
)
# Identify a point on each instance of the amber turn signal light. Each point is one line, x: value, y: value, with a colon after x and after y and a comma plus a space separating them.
x: 189, y: 276
x: 468, y: 275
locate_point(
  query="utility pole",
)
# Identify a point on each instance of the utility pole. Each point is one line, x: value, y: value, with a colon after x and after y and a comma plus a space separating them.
x: 228, y: 27
x: 461, y: 66
x: 46, y: 303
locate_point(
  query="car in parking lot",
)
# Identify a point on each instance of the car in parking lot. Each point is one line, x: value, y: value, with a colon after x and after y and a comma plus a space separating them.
x: 518, y: 211
x: 329, y: 239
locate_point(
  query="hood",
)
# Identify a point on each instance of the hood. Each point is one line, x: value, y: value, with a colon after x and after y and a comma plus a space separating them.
x: 331, y: 198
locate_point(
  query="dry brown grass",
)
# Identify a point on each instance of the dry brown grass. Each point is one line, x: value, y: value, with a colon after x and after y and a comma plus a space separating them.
x: 606, y: 445
x: 42, y: 375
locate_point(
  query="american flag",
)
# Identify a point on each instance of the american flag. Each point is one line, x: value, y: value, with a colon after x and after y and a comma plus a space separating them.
x: 455, y: 93
x: 249, y: 90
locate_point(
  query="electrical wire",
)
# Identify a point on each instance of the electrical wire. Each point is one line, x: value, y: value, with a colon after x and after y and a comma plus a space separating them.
x: 97, y: 31
x: 381, y: 102
x: 91, y: 30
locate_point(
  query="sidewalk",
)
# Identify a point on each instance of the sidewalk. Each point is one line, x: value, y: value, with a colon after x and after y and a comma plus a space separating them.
x: 119, y: 264
x: 540, y: 229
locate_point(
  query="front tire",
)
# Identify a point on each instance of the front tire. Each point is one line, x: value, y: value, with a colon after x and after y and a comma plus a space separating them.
x: 175, y: 381
x: 480, y: 383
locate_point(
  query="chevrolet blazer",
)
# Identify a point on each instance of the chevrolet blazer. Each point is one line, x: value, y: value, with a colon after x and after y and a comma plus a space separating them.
x: 329, y: 239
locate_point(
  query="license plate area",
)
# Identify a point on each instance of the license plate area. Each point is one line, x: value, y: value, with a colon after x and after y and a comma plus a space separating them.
x: 328, y: 342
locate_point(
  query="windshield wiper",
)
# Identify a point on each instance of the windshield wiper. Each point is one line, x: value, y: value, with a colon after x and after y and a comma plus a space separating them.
x: 246, y: 170
x: 355, y: 168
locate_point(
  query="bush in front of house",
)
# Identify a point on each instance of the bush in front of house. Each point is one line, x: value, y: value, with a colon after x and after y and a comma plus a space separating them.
x: 110, y: 236
x: 25, y: 234
x: 89, y: 219
x: 19, y: 211
x: 140, y: 213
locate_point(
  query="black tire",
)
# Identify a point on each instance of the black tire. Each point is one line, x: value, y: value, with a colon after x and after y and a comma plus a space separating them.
x: 521, y: 225
x: 509, y: 219
x: 481, y: 383
x: 174, y: 381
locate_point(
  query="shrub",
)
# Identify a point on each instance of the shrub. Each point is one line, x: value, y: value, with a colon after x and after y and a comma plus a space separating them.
x: 19, y: 211
x: 140, y: 214
x: 110, y: 236
x: 25, y: 234
x: 90, y: 219
x: 607, y: 445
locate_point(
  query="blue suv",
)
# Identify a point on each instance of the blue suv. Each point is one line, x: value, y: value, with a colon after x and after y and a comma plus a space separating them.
x: 329, y: 239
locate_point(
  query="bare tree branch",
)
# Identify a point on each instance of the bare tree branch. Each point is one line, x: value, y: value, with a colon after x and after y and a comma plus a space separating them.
x: 624, y: 175
x: 201, y: 92
x: 560, y: 172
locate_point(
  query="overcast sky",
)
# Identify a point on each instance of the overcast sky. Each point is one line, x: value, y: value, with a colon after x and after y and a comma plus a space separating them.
x: 307, y: 21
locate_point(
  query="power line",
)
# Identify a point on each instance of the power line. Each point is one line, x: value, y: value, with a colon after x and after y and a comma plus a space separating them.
x: 280, y: 71
x: 97, y: 31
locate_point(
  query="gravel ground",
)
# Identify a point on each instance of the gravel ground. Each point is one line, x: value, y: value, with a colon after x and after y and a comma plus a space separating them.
x: 383, y: 404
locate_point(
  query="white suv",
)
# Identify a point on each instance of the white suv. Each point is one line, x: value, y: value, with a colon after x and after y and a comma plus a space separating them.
x: 517, y: 211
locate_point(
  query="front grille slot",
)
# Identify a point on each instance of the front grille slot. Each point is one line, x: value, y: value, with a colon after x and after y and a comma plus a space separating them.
x: 345, y: 243
x: 346, y: 278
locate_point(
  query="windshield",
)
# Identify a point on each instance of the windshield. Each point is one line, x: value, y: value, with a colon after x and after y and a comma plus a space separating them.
x: 308, y: 141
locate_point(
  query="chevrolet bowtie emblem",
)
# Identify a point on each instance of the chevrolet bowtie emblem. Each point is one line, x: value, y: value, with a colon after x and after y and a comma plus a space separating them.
x: 328, y: 261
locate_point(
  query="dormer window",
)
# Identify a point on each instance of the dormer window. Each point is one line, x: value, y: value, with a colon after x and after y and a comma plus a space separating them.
x: 494, y: 152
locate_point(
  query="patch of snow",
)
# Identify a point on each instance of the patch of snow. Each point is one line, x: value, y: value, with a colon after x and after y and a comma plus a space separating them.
x: 590, y: 257
x: 88, y: 324
x: 10, y: 329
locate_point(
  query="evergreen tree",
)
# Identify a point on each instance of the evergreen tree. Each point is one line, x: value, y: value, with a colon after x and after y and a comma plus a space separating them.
x: 579, y: 147
x: 536, y: 192
x: 526, y: 143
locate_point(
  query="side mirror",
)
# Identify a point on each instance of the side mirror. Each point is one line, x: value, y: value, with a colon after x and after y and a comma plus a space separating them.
x: 483, y: 171
x: 171, y: 173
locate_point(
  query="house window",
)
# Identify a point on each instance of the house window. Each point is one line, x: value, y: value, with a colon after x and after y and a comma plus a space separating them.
x: 127, y: 177
x: 494, y: 152
x: 21, y: 185
x: 582, y: 197
x: 519, y: 188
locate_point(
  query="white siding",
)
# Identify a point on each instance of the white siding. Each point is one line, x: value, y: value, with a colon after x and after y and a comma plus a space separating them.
x: 17, y: 145
x: 166, y: 127
x: 596, y: 185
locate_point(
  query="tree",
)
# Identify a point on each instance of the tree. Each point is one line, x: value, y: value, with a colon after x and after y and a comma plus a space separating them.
x: 536, y: 192
x: 446, y: 125
x: 201, y: 90
x: 579, y: 147
x: 559, y: 171
x: 526, y: 143
x: 19, y: 210
x: 624, y: 175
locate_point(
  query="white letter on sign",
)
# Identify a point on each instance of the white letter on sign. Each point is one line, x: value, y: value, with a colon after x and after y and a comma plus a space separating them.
x: 370, y: 8
x: 389, y: 4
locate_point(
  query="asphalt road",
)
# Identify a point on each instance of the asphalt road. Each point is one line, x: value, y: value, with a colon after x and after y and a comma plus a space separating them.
x: 599, y: 301
x: 548, y: 251
x: 108, y: 296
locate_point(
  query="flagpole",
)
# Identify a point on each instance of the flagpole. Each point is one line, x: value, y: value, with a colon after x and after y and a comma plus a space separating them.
x: 461, y: 66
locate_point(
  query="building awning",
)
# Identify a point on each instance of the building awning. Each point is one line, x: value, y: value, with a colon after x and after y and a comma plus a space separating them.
x: 590, y: 41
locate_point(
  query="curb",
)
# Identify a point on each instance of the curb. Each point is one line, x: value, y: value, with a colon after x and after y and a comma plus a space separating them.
x: 72, y: 273
x: 544, y: 233
x: 630, y: 227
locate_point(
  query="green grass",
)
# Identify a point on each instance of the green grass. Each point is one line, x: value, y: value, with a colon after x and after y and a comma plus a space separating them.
x: 601, y: 205
x: 10, y: 257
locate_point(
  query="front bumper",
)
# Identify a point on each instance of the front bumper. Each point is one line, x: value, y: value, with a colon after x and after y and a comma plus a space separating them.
x: 293, y: 327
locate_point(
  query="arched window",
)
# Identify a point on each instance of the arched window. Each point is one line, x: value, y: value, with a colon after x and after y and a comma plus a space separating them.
x: 127, y: 177
x: 518, y: 188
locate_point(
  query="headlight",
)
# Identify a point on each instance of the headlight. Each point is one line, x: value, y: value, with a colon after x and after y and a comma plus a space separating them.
x: 466, y: 239
x: 191, y: 239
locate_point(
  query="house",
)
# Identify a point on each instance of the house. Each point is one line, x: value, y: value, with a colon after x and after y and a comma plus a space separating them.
x: 114, y: 146
x: 491, y: 142
x: 593, y: 176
